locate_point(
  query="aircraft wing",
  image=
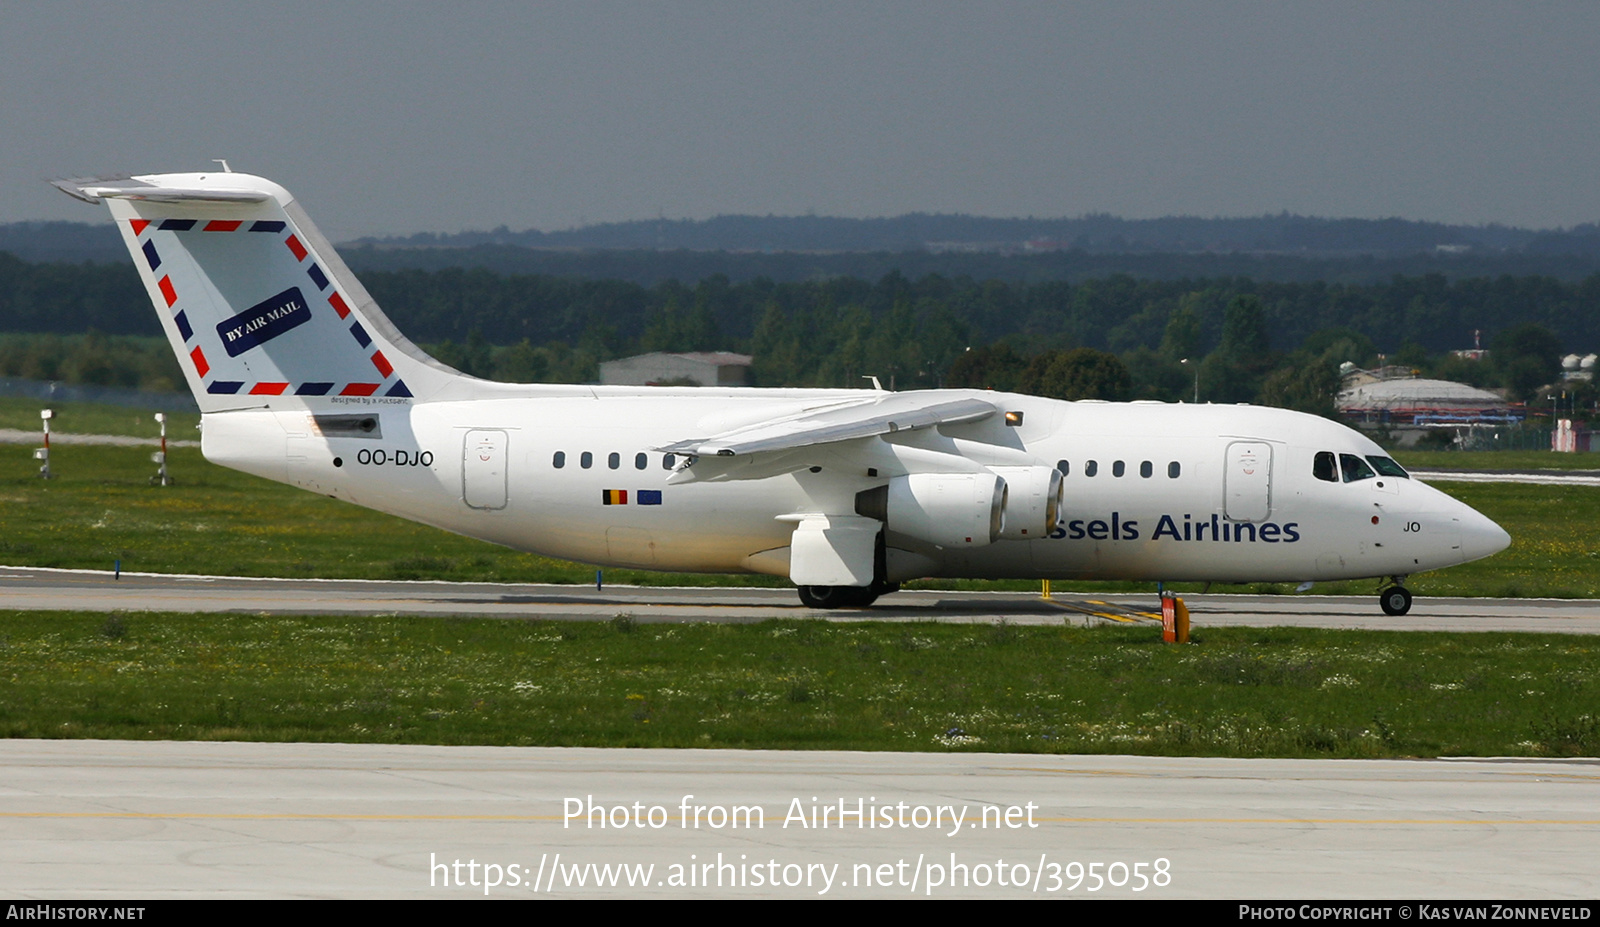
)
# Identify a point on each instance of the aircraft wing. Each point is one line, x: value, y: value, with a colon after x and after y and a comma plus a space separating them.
x: 881, y: 415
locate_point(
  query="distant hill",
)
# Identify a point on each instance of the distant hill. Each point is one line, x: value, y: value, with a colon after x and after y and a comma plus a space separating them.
x: 1093, y: 234
x: 1282, y: 247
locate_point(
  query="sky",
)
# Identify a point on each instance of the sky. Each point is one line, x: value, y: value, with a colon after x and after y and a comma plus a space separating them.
x: 394, y: 117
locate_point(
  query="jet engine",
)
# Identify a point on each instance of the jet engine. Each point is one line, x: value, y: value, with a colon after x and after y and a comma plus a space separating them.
x: 1033, y: 501
x: 946, y: 509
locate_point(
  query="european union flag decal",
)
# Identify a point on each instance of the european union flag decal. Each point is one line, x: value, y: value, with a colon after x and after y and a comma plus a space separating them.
x: 649, y: 497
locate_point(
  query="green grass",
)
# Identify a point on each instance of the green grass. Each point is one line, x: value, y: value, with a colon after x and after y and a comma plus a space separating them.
x: 90, y: 418
x: 797, y: 685
x: 806, y: 685
x: 101, y: 508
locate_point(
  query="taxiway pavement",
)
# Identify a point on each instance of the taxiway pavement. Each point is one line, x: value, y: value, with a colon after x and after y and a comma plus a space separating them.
x: 104, y: 819
x: 1538, y: 477
x: 92, y: 590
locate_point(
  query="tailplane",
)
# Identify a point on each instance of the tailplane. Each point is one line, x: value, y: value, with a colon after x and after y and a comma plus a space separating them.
x: 259, y: 308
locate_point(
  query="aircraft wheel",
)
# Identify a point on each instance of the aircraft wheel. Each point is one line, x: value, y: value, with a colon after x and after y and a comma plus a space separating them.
x: 1396, y: 600
x: 837, y: 596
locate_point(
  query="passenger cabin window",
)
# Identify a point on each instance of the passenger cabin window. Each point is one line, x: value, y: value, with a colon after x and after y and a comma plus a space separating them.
x: 560, y: 460
x: 1064, y: 467
x: 640, y: 461
x: 614, y: 460
x: 1324, y: 468
x: 1146, y: 468
x: 586, y: 460
x: 668, y: 461
x: 1173, y: 470
x: 1090, y: 468
x: 1118, y: 468
x: 1387, y: 467
x: 1355, y: 469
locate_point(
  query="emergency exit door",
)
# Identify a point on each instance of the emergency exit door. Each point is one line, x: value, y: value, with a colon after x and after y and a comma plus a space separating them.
x: 1248, y: 481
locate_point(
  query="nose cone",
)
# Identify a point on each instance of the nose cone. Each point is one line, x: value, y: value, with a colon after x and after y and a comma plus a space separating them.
x: 1481, y: 537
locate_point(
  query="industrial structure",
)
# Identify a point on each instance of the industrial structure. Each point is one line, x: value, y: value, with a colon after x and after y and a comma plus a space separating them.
x: 708, y: 368
x: 1408, y: 407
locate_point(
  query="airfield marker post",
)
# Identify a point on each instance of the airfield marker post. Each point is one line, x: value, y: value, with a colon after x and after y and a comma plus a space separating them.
x: 160, y: 457
x: 43, y: 453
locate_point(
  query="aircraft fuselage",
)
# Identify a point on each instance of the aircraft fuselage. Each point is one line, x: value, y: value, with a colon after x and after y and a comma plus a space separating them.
x: 1152, y: 491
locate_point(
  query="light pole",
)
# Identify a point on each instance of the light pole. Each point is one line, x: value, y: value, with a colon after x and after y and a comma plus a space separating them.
x: 1185, y: 362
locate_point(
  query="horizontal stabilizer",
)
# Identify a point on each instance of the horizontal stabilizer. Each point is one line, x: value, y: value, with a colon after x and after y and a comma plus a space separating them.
x: 95, y: 190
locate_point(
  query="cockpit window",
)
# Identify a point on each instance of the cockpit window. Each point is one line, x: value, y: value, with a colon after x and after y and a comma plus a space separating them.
x: 1387, y: 467
x: 1355, y: 468
x: 1325, y: 468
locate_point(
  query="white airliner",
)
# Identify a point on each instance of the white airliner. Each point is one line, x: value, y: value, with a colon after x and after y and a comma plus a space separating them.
x: 848, y: 493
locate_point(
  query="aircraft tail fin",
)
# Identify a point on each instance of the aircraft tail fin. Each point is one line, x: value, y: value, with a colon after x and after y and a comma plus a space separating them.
x: 259, y: 308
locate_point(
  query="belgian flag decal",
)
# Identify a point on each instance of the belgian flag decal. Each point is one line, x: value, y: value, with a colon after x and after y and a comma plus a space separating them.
x: 614, y: 496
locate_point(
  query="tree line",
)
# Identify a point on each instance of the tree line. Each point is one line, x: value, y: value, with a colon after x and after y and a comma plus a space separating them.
x: 1523, y: 362
x: 1283, y: 234
x: 912, y: 332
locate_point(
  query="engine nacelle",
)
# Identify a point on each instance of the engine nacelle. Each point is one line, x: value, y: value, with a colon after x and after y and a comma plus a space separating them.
x: 946, y: 509
x: 1033, y: 501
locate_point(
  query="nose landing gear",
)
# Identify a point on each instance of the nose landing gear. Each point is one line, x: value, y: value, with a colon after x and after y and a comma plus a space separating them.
x: 1395, y: 599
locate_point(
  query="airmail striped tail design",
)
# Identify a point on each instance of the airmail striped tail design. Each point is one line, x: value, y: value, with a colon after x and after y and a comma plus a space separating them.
x: 289, y: 319
x: 256, y: 303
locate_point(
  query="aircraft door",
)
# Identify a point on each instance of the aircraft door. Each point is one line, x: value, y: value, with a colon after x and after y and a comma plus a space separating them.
x: 1248, y: 481
x: 483, y: 469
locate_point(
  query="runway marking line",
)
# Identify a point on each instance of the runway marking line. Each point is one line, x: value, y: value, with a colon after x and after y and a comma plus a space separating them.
x: 1158, y: 775
x: 1083, y: 609
x: 55, y: 761
x: 202, y: 816
x: 525, y: 818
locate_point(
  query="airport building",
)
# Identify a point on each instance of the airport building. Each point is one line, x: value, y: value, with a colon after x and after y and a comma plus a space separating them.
x: 710, y: 368
x: 1408, y: 406
x: 1423, y: 401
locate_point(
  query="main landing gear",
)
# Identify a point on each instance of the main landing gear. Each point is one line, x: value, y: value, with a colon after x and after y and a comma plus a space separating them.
x: 844, y: 596
x: 1395, y: 599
